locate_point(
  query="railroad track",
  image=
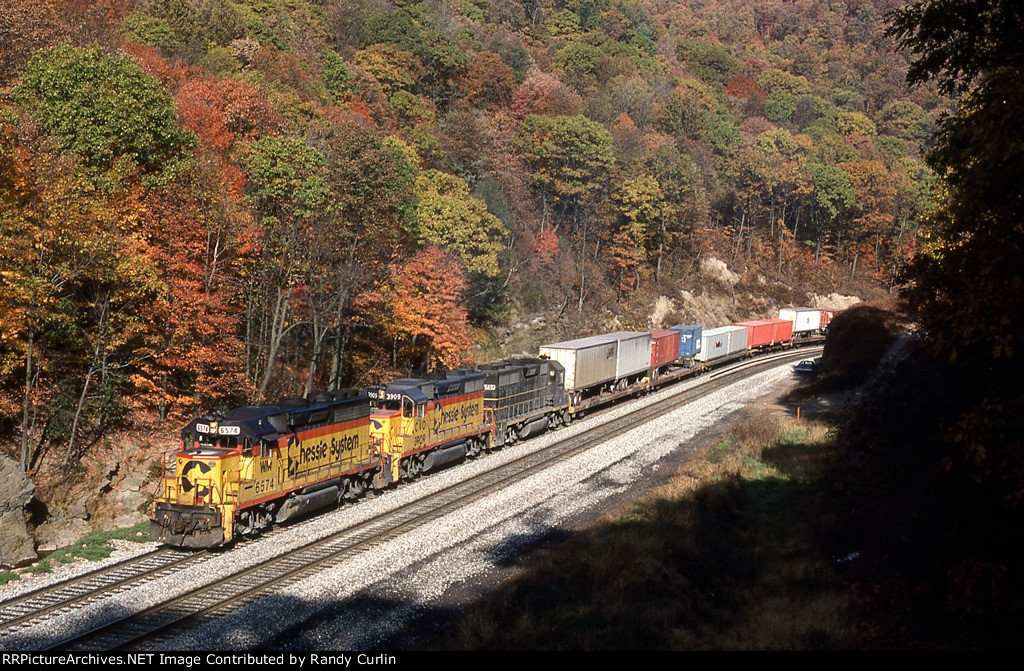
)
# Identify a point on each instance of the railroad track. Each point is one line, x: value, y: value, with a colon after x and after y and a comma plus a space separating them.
x: 156, y: 625
x: 33, y: 607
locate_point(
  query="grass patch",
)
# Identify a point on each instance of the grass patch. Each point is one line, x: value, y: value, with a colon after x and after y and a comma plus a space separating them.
x: 93, y: 547
x: 41, y: 566
x: 97, y: 546
x: 727, y: 555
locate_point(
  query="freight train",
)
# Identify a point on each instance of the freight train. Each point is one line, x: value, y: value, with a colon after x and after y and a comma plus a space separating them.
x: 241, y: 471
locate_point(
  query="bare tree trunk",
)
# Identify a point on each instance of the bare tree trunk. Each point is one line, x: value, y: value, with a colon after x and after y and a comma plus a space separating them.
x: 26, y: 401
x: 895, y: 258
x: 319, y: 335
x: 661, y: 249
x: 739, y: 236
x: 878, y: 245
x: 248, y: 338
x: 214, y: 258
x: 277, y: 332
x: 98, y: 356
x: 796, y: 243
x: 338, y: 362
x: 583, y: 269
x: 78, y: 416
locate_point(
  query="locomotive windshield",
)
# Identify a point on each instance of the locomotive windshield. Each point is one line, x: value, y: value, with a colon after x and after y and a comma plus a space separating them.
x: 208, y: 440
x: 404, y: 404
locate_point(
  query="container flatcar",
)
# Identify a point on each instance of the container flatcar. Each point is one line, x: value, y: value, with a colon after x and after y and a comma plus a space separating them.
x: 589, y: 363
x: 633, y: 356
x: 827, y: 315
x: 762, y: 333
x: 690, y: 342
x: 807, y: 321
x: 664, y: 350
x: 722, y: 342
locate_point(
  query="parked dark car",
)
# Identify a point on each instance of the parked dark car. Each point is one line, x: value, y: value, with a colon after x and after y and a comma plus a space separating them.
x: 807, y: 366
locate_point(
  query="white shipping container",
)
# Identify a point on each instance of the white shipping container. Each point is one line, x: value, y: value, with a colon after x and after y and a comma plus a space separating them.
x: 722, y: 341
x: 587, y: 361
x: 634, y: 355
x: 804, y: 319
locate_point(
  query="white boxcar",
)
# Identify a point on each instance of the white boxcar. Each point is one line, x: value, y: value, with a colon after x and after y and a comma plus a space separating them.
x: 634, y: 355
x: 587, y: 361
x: 804, y: 319
x: 722, y: 341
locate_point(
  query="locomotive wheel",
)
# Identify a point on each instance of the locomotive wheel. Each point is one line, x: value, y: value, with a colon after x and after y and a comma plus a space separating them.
x: 355, y: 487
x: 244, y: 523
x: 252, y: 521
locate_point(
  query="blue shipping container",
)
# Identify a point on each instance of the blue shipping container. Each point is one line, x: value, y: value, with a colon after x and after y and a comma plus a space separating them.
x: 689, y: 339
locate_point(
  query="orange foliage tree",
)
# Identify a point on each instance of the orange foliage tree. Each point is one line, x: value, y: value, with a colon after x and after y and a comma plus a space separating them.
x: 423, y: 304
x: 221, y: 112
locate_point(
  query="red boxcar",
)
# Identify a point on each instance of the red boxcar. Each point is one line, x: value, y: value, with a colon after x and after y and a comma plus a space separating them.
x: 767, y: 332
x: 664, y: 347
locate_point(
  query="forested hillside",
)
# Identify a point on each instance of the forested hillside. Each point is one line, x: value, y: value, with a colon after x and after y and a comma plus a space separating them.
x: 205, y: 202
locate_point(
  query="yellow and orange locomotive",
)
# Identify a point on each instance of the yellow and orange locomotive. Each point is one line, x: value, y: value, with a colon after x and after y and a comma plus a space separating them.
x: 240, y: 471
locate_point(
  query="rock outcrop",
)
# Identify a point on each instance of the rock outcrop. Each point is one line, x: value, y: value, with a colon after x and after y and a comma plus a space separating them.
x: 16, y: 545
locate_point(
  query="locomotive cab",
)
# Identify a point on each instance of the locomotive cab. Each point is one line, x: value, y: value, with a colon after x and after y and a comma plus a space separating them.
x: 196, y: 503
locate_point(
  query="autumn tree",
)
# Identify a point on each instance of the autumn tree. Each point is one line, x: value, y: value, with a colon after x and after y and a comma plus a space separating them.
x: 223, y: 112
x: 198, y: 356
x: 874, y: 204
x: 488, y: 82
x: 449, y: 217
x: 289, y: 192
x: 78, y: 277
x: 422, y: 304
x: 685, y: 202
x: 639, y: 204
x: 832, y: 200
x: 372, y: 222
x: 543, y: 93
x: 103, y: 108
x: 25, y: 26
x: 965, y: 282
x: 571, y: 159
